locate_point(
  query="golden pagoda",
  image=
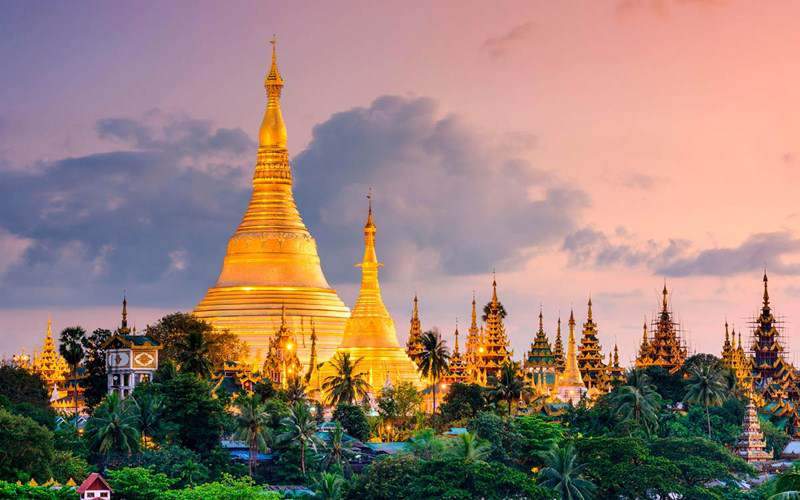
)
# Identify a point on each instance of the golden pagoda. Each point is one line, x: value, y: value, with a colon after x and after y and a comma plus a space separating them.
x: 751, y: 445
x: 539, y: 363
x: 369, y: 335
x: 272, y: 259
x: 590, y: 356
x: 282, y: 363
x: 558, y: 348
x: 474, y: 347
x: 569, y: 386
x: 494, y: 341
x: 736, y: 361
x: 616, y: 373
x: 414, y: 343
x: 457, y: 369
x: 49, y: 364
x: 664, y: 348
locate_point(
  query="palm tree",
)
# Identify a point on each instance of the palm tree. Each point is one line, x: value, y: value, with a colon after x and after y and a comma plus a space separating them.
x: 434, y: 359
x: 470, y: 448
x: 295, y: 390
x: 508, y: 385
x: 328, y: 486
x: 348, y: 384
x: 787, y: 486
x: 338, y: 450
x: 426, y: 445
x: 252, y: 426
x: 706, y: 387
x: 148, y: 407
x: 71, y: 349
x: 112, y: 428
x: 300, y: 427
x: 637, y: 402
x: 194, y: 353
x: 563, y: 474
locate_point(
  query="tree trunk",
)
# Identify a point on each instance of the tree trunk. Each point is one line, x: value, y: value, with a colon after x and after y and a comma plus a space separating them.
x: 509, y: 407
x: 434, y: 396
x: 251, y: 464
x: 708, y: 420
x: 75, y: 390
x: 303, y: 458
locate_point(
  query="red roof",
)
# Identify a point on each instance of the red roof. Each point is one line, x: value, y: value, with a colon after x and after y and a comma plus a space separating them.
x: 94, y: 482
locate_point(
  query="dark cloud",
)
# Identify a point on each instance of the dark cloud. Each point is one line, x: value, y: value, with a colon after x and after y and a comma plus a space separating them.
x: 498, y: 46
x: 756, y: 252
x: 151, y: 219
x: 590, y: 247
x: 446, y: 198
x: 644, y: 182
x: 155, y: 214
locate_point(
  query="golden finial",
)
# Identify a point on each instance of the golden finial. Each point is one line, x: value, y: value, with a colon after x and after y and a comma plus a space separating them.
x: 272, y: 134
x: 766, y: 292
x: 590, y: 307
x: 370, y: 223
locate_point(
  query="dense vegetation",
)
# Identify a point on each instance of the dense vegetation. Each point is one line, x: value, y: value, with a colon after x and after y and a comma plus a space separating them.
x: 164, y: 441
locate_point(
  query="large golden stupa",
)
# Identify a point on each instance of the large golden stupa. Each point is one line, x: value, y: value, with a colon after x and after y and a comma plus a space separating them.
x: 369, y: 335
x: 272, y: 259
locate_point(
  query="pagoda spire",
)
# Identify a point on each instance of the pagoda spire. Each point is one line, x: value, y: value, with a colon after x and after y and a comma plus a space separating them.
x: 414, y: 346
x: 455, y: 345
x: 558, y: 347
x: 124, y: 324
x: 569, y: 383
x: 766, y: 292
x: 474, y: 324
x: 589, y: 313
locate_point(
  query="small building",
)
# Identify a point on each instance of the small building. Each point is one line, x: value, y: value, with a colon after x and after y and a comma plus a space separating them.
x: 94, y: 487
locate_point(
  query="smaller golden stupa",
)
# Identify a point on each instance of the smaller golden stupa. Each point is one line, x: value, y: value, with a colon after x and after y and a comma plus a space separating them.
x: 569, y: 386
x: 369, y: 334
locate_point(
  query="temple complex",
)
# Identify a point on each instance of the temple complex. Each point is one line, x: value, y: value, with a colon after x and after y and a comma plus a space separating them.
x: 751, y: 445
x: 495, y: 342
x: 414, y: 343
x: 665, y: 347
x: 271, y: 261
x: 539, y: 364
x: 590, y: 357
x: 369, y: 334
x: 569, y: 386
x: 735, y: 360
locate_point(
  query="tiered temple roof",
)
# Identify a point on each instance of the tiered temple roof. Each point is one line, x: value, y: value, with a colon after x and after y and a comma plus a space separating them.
x: 474, y: 347
x: 664, y: 348
x: 558, y: 348
x: 590, y: 356
x: 616, y: 373
x: 414, y: 343
x: 540, y: 363
x: 495, y: 342
x: 458, y: 365
x: 49, y: 364
x: 735, y: 360
x: 751, y: 445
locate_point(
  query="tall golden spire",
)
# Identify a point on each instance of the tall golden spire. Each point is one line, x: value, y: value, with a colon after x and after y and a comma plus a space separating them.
x: 272, y: 259
x: 370, y: 333
x: 766, y: 292
x: 569, y: 383
x: 589, y: 314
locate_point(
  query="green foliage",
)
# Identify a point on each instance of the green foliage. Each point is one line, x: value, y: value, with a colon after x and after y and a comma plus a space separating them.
x: 67, y: 466
x: 536, y: 436
x: 634, y: 468
x: 670, y: 386
x: 348, y: 384
x: 563, y: 473
x: 192, y: 344
x: 726, y: 422
x: 192, y: 417
x: 228, y: 488
x: 252, y: 426
x: 434, y: 359
x: 138, y: 483
x: 112, y: 430
x: 508, y: 386
x: 20, y: 386
x: 328, y: 486
x: 405, y: 476
x: 499, y: 433
x: 463, y: 401
x: 399, y: 405
x: 13, y: 490
x: 184, y: 466
x: 299, y: 429
x: 636, y: 404
x: 353, y: 420
x: 26, y: 448
x: 707, y: 387
x: 776, y: 437
x: 96, y: 379
x: 469, y: 447
x: 71, y: 349
x: 426, y: 445
x: 67, y: 438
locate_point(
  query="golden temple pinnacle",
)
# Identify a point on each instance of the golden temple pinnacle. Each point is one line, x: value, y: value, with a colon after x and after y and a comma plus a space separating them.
x: 272, y: 259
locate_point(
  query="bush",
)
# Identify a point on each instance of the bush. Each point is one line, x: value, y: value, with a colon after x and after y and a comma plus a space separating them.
x: 226, y: 489
x: 353, y: 420
x: 26, y: 448
x: 12, y: 490
x: 463, y: 401
x: 138, y: 483
x: 407, y: 477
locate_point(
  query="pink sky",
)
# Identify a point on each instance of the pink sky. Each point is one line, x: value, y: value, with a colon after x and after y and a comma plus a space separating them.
x: 677, y: 118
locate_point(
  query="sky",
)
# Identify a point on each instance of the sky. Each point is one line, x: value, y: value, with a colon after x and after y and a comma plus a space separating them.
x: 577, y: 148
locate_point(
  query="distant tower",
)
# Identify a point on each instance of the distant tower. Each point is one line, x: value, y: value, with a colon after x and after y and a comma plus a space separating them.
x: 751, y: 445
x: 414, y: 344
x: 495, y: 342
x: 666, y: 348
x: 590, y: 356
x: 458, y: 365
x: 539, y: 364
x: 558, y: 348
x: 474, y: 347
x: 569, y: 386
x: 130, y: 359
